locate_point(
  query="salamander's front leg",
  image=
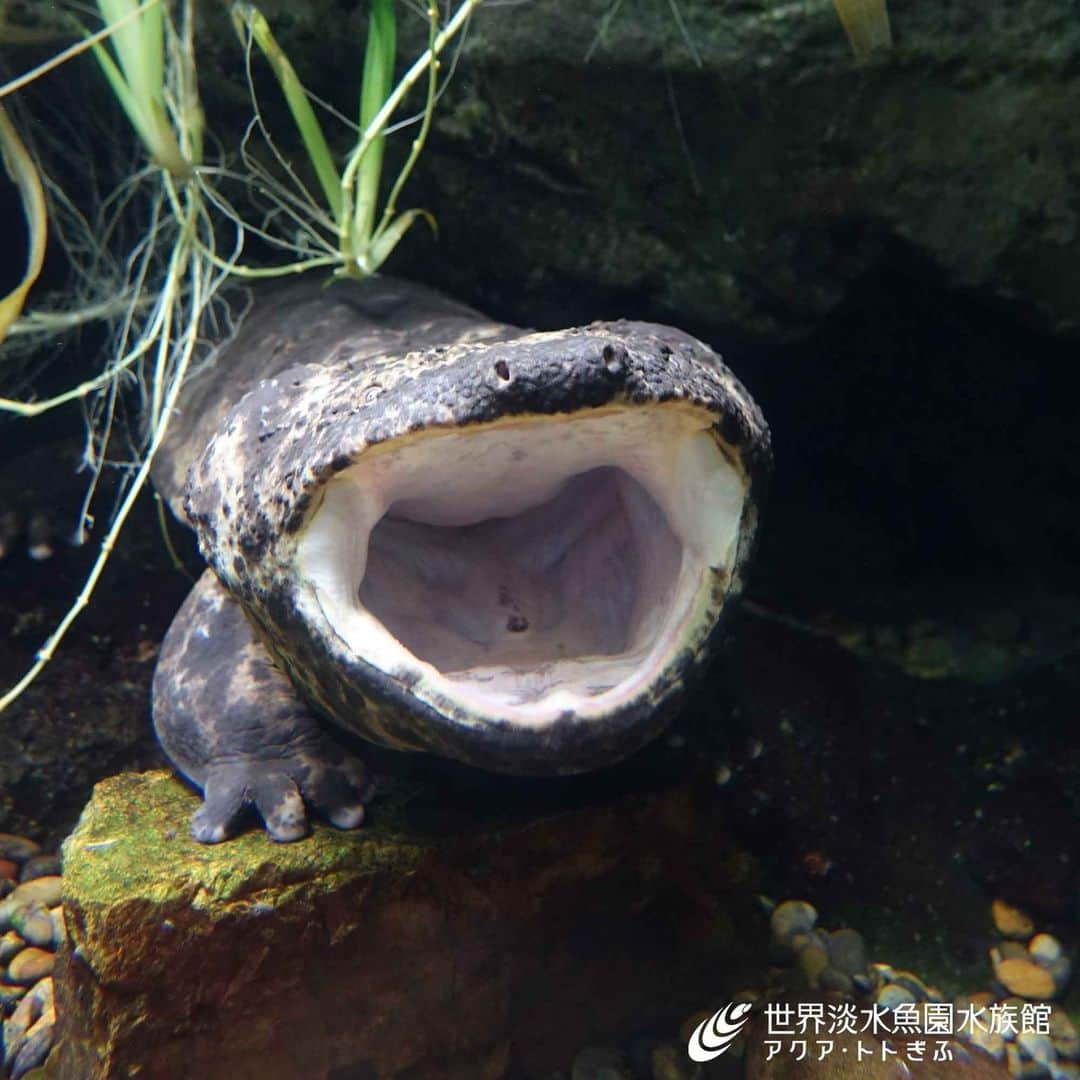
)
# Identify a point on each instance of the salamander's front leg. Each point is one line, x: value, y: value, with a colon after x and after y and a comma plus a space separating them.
x: 230, y: 721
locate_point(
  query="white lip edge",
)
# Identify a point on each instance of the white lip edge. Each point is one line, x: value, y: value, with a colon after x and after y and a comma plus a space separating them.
x: 425, y: 683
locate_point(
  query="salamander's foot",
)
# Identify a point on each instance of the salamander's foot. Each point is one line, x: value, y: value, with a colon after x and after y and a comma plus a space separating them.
x: 230, y: 720
x: 279, y: 790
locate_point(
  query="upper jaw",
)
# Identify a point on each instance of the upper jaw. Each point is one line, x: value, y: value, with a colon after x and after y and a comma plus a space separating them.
x: 371, y: 549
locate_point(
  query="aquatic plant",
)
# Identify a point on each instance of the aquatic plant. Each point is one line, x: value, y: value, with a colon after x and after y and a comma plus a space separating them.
x: 164, y: 300
x: 866, y: 23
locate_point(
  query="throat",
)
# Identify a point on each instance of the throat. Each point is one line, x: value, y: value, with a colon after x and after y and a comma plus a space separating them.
x: 523, y: 569
x: 582, y: 577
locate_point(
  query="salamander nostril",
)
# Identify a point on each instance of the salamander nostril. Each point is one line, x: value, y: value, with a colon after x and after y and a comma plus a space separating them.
x: 614, y: 359
x: 502, y: 369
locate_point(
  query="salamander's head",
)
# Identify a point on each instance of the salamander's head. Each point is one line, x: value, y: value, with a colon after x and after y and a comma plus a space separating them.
x: 512, y: 553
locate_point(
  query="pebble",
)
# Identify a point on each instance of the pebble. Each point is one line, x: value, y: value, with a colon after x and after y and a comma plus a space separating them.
x: 1045, y: 949
x: 797, y: 942
x: 45, y: 890
x: 1021, y: 1069
x: 31, y: 965
x: 981, y: 999
x: 1037, y: 1047
x: 813, y: 960
x: 600, y: 1063
x: 1060, y: 970
x: 31, y: 929
x: 847, y: 951
x: 832, y: 979
x: 1012, y: 948
x: 29, y: 1011
x: 891, y: 995
x: 790, y: 918
x: 1020, y: 975
x: 10, y: 996
x: 1010, y: 921
x: 17, y: 848
x: 990, y: 1041
x: 1064, y: 1034
x: 915, y: 986
x: 28, y: 1034
x: 35, y: 925
x: 10, y: 944
x: 35, y: 1047
x: 40, y: 866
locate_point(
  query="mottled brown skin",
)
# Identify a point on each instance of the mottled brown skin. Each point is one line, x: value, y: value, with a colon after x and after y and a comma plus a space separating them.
x: 314, y: 377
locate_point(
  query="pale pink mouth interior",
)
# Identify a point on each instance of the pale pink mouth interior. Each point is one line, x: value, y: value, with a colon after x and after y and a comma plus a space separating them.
x: 522, y: 569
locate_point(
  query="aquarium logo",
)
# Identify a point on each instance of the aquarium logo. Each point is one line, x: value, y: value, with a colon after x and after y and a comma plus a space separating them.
x: 713, y: 1036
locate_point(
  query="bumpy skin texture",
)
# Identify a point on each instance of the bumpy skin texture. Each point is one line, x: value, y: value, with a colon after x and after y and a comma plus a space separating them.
x: 314, y: 379
x: 232, y: 723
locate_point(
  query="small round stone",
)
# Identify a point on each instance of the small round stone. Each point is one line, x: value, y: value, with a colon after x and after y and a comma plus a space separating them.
x: 1013, y: 948
x: 914, y: 985
x: 891, y: 995
x: 882, y: 973
x: 34, y: 924
x: 790, y: 918
x: 1010, y: 921
x: 10, y: 944
x: 847, y: 951
x: 45, y: 890
x: 813, y: 960
x: 990, y: 1041
x: 1036, y: 1046
x: 31, y: 965
x: 1020, y: 975
x: 40, y: 866
x: 1063, y: 1032
x: 981, y: 999
x: 1045, y: 949
x: 17, y: 848
x: 28, y: 1035
x: 9, y: 869
x: 1061, y: 971
x: 832, y: 979
x: 35, y: 1047
x: 30, y: 1009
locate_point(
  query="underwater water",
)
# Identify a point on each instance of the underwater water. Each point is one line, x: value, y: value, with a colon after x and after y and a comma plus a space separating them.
x: 869, y: 795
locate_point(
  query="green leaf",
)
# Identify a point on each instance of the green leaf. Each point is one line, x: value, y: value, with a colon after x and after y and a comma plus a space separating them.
x: 384, y: 243
x: 307, y: 123
x: 378, y: 80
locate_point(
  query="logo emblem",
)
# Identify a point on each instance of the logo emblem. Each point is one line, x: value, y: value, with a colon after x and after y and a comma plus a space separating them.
x: 713, y: 1036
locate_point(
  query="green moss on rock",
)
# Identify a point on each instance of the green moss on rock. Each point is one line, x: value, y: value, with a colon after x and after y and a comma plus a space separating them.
x: 486, y: 943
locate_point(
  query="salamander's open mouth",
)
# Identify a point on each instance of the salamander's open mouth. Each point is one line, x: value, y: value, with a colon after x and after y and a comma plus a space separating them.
x: 523, y: 569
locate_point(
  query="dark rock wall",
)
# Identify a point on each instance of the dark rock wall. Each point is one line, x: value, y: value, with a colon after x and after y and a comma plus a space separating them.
x: 584, y: 148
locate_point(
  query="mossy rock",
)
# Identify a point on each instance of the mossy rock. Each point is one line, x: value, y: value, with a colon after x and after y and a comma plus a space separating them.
x: 389, y: 951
